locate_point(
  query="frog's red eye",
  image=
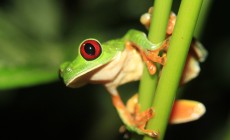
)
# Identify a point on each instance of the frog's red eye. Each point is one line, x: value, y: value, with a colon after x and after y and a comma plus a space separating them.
x: 90, y: 49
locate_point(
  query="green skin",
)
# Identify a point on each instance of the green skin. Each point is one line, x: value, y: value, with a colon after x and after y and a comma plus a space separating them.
x: 110, y: 49
x: 77, y: 73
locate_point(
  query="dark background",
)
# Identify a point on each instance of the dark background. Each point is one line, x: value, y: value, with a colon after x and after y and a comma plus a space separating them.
x: 51, y: 110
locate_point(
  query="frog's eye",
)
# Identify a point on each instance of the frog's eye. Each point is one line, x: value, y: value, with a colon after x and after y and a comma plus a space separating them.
x: 90, y: 49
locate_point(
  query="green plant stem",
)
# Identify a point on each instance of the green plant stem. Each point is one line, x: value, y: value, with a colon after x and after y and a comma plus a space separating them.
x: 206, y: 6
x: 159, y: 22
x: 171, y: 72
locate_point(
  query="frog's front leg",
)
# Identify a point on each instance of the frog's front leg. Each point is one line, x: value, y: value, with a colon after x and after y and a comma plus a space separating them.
x: 151, y: 56
x: 133, y: 120
x: 141, y: 117
x: 150, y: 65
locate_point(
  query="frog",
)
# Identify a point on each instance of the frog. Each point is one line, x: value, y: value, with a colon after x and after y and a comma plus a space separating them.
x: 120, y: 61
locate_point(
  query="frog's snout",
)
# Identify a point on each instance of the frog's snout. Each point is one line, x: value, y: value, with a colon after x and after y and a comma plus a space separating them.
x: 62, y: 69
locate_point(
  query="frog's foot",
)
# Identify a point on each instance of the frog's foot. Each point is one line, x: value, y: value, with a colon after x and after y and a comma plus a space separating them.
x: 146, y: 20
x: 133, y: 120
x: 171, y: 23
x: 186, y: 111
x: 154, y: 55
x: 150, y: 65
x: 134, y: 108
x: 142, y: 118
x: 139, y: 122
x: 149, y: 57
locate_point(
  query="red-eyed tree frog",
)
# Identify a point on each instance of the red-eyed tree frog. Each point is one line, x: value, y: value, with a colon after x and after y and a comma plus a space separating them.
x: 120, y: 61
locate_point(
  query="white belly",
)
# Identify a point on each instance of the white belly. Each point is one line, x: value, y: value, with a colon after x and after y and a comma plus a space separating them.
x: 126, y: 67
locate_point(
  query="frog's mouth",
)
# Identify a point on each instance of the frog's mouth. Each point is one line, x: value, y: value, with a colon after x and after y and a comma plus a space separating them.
x: 78, y: 72
x: 85, y: 77
x: 99, y: 74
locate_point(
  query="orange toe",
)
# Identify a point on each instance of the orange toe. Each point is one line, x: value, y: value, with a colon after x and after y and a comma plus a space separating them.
x: 186, y: 111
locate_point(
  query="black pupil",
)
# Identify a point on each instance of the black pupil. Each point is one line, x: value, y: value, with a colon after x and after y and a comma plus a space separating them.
x: 89, y: 49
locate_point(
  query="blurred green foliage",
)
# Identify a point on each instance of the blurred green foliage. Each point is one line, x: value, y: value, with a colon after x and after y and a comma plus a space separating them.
x: 30, y: 46
x: 37, y: 36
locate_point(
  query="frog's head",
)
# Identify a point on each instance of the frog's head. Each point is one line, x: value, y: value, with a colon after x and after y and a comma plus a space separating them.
x: 91, y: 55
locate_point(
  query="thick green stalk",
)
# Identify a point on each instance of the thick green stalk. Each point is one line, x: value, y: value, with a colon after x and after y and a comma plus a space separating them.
x: 157, y: 34
x: 171, y: 73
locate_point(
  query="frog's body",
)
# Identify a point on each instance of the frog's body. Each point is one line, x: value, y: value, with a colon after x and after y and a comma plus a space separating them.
x: 119, y: 61
x: 125, y: 67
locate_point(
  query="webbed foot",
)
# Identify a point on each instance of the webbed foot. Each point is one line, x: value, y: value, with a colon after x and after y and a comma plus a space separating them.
x: 154, y: 55
x: 151, y: 57
x: 133, y: 120
x: 141, y: 118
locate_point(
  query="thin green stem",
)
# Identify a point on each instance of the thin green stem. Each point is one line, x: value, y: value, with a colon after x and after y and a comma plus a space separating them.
x: 171, y: 72
x: 157, y: 32
x: 206, y: 5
